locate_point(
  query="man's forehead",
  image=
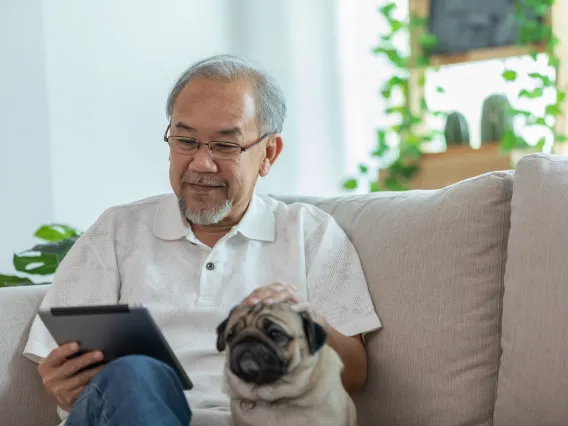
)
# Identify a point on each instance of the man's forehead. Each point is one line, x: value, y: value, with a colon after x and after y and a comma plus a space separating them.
x: 215, y: 106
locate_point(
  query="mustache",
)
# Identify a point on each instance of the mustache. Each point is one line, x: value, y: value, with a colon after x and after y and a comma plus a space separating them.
x: 202, y: 180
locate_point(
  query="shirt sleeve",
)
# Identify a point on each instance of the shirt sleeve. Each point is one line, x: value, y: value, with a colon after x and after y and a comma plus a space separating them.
x: 88, y: 275
x: 337, y: 288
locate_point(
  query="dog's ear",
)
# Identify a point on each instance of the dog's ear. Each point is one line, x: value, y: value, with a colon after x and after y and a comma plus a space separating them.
x: 221, y: 328
x: 315, y: 333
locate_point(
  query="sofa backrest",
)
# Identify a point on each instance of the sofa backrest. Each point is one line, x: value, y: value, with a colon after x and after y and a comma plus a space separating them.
x: 22, y: 400
x: 434, y: 261
x: 533, y: 377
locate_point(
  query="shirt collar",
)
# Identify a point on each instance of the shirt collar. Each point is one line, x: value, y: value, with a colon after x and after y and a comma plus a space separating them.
x: 258, y: 223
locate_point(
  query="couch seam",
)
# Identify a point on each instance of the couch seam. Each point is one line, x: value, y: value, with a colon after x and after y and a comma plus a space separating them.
x: 500, y: 297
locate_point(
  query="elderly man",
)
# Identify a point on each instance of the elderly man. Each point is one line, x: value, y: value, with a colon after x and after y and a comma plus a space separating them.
x: 192, y: 255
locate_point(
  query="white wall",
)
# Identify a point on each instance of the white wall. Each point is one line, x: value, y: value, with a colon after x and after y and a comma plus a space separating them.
x: 25, y: 171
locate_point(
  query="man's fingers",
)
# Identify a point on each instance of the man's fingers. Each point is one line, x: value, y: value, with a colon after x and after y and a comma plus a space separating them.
x: 82, y: 379
x: 59, y: 355
x: 76, y: 364
x: 281, y: 296
x: 302, y: 307
x: 273, y: 293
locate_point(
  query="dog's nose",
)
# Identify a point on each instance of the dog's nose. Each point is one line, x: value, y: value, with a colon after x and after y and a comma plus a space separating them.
x: 249, y: 365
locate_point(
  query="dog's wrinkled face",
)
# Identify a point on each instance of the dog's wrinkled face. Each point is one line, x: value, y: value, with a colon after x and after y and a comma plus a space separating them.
x: 266, y: 342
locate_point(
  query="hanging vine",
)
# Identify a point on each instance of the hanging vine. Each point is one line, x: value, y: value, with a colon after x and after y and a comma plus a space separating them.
x: 408, y: 135
x: 400, y: 145
x: 534, y: 29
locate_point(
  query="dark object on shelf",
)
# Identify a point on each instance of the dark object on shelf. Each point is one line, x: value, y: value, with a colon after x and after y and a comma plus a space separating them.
x: 456, y: 131
x: 496, y: 118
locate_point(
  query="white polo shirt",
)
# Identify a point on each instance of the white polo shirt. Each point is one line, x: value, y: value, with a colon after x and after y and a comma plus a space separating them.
x: 145, y: 252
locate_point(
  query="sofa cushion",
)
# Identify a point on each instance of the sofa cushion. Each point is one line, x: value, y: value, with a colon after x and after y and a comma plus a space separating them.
x: 533, y: 378
x: 22, y: 401
x: 434, y: 261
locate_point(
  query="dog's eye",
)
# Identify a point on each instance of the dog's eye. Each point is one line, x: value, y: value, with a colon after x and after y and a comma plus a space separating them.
x: 277, y: 336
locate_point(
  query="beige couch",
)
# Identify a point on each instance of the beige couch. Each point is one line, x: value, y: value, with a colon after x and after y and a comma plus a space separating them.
x: 471, y: 283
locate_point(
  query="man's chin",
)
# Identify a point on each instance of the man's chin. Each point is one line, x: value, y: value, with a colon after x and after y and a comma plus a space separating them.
x: 206, y: 215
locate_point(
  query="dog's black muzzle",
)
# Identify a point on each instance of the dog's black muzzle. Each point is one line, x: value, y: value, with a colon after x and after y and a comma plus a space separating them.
x: 257, y: 361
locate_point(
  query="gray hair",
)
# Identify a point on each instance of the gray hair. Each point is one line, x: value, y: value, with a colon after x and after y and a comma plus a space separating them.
x: 270, y: 99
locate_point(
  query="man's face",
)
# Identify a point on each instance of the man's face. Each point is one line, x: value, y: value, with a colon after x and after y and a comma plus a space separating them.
x: 210, y: 189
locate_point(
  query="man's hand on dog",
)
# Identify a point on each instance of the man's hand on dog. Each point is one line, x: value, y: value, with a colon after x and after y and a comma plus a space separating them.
x: 279, y: 292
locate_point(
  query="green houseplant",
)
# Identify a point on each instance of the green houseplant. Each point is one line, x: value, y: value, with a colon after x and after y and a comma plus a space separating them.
x: 42, y: 259
x: 533, y: 30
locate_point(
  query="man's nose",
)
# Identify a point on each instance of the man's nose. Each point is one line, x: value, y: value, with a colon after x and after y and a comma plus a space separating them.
x: 203, y: 161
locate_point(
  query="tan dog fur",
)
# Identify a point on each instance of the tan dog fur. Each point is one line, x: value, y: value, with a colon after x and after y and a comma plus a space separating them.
x: 309, y: 392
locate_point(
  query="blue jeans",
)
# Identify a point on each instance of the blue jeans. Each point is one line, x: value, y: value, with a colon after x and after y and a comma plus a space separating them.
x: 133, y: 390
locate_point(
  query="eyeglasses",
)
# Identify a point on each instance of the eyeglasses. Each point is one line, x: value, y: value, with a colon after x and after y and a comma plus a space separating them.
x: 219, y: 150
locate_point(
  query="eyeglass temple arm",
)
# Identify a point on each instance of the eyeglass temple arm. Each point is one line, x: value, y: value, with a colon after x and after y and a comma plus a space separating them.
x: 166, y: 133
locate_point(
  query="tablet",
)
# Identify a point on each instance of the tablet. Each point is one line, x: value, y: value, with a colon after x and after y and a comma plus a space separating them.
x: 116, y: 330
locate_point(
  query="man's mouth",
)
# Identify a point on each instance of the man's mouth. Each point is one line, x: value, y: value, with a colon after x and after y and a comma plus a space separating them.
x: 204, y: 186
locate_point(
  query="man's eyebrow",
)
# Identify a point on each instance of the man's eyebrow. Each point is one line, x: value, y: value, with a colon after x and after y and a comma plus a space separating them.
x: 234, y: 131
x: 180, y: 125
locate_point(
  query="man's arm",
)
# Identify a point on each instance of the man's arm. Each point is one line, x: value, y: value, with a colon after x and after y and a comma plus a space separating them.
x: 339, y: 296
x: 354, y: 356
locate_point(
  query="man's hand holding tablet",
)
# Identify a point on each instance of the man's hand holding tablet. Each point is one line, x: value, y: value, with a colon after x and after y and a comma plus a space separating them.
x: 90, y: 336
x: 59, y: 373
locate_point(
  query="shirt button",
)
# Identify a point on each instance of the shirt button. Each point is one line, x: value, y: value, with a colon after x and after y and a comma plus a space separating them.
x: 210, y: 266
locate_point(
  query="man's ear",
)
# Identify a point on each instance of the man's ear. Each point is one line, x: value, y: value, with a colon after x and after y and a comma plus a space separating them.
x: 315, y: 333
x: 272, y: 151
x: 221, y: 328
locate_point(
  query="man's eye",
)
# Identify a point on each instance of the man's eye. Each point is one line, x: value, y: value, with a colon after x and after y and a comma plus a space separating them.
x: 188, y: 143
x: 220, y: 146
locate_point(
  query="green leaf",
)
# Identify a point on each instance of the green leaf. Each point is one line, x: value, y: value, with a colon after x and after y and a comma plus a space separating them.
x: 553, y: 61
x: 55, y: 232
x: 13, y: 281
x: 540, y: 144
x: 561, y: 138
x: 524, y: 113
x: 560, y: 96
x: 60, y: 248
x: 387, y: 93
x: 350, y: 184
x: 382, y: 146
x: 532, y: 94
x: 428, y: 41
x: 546, y: 81
x: 373, y: 187
x: 396, y: 81
x: 396, y: 109
x: 553, y: 109
x: 510, y: 75
x: 387, y: 9
x: 418, y: 22
x: 396, y: 25
x: 363, y: 168
x: 538, y: 121
x: 44, y: 264
x: 440, y: 90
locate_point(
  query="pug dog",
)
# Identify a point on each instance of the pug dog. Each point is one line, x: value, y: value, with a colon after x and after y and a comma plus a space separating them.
x: 279, y: 369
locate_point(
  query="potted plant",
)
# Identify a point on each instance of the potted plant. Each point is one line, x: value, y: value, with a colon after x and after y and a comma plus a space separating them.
x: 42, y: 259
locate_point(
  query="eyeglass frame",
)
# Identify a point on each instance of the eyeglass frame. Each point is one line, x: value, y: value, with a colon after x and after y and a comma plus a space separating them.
x: 207, y: 144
